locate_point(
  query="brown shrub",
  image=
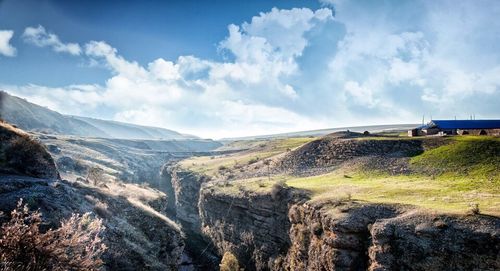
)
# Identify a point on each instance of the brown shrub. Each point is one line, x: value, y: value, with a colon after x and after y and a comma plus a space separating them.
x: 95, y: 175
x: 229, y: 263
x: 279, y: 190
x: 75, y: 245
x: 474, y: 209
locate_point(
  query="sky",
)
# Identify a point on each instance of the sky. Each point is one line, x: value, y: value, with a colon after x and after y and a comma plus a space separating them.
x: 239, y: 68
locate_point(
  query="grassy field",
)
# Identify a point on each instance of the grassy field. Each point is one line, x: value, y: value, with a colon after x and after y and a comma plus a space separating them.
x: 455, y: 195
x: 257, y: 150
x: 451, y: 178
x: 477, y: 157
x: 451, y: 195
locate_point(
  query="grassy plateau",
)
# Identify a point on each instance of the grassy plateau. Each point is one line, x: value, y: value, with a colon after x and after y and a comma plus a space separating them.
x: 461, y: 173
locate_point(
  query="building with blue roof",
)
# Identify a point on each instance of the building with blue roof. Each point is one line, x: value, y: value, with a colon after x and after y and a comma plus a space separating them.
x: 457, y: 127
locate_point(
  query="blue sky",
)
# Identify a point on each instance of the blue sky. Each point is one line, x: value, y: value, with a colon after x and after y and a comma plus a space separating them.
x: 234, y: 68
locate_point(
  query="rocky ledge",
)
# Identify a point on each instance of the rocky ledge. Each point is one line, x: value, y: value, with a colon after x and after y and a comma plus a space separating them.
x: 289, y: 232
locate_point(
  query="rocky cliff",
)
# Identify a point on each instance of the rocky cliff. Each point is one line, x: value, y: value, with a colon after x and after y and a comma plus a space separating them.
x: 288, y: 232
x: 267, y: 235
x: 252, y: 226
x: 138, y: 235
x: 269, y: 226
x: 332, y: 236
x: 186, y: 186
x: 422, y: 241
x: 183, y: 192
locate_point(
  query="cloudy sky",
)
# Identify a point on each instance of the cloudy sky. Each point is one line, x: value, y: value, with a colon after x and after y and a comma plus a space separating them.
x: 235, y: 68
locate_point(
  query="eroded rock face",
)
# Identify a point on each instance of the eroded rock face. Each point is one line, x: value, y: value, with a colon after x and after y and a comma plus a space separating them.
x: 331, y: 236
x: 254, y: 227
x: 265, y: 234
x: 166, y: 186
x: 187, y: 185
x: 419, y: 241
x: 183, y: 192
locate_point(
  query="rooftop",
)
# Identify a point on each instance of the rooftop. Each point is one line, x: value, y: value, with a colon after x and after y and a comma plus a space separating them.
x: 463, y: 124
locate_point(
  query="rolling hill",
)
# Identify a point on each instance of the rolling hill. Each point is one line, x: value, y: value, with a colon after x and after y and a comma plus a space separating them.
x: 32, y: 117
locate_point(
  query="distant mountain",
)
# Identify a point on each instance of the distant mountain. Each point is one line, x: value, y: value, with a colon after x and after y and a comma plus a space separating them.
x: 32, y: 117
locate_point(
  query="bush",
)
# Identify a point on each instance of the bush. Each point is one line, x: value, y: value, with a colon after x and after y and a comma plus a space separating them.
x: 253, y: 160
x: 75, y: 245
x: 95, y: 175
x: 474, y: 209
x: 229, y: 263
x: 278, y: 190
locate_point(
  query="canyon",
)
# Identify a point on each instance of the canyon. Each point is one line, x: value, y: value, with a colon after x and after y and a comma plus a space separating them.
x: 288, y: 232
x: 181, y: 205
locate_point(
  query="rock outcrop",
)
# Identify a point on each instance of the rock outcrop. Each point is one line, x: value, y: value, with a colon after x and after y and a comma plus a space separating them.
x: 328, y: 152
x: 183, y: 192
x: 254, y: 227
x: 186, y: 186
x: 332, y: 236
x: 419, y: 241
x: 21, y: 154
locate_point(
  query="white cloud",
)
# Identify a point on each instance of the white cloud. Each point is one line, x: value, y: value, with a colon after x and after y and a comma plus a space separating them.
x: 301, y: 69
x: 362, y: 95
x: 6, y: 48
x: 38, y: 36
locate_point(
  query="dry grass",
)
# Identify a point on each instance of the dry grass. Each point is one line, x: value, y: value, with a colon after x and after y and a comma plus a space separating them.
x: 75, y: 245
x: 259, y: 151
x: 21, y: 154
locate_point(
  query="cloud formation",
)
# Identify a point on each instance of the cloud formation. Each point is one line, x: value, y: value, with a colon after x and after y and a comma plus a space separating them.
x: 298, y: 69
x: 38, y: 36
x: 6, y: 48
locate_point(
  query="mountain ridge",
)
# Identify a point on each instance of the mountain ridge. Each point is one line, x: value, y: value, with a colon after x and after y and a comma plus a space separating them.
x: 35, y: 118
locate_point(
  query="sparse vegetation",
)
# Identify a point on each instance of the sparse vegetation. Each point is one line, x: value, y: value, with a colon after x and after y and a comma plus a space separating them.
x: 229, y: 262
x: 95, y: 175
x: 19, y: 153
x: 253, y: 152
x: 75, y: 245
x: 474, y: 208
x: 253, y: 160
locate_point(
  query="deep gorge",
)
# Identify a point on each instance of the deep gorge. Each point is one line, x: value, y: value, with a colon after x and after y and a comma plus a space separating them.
x: 288, y: 232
